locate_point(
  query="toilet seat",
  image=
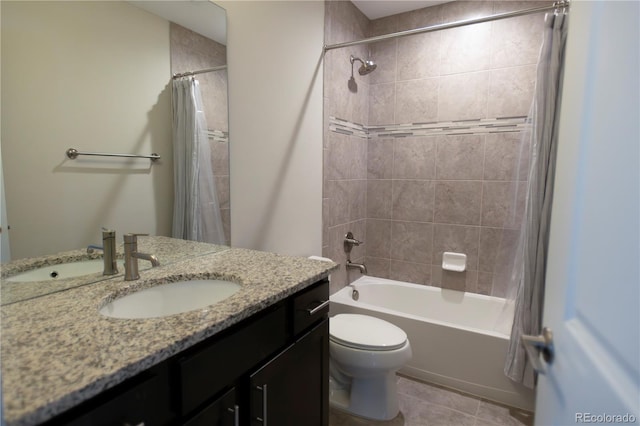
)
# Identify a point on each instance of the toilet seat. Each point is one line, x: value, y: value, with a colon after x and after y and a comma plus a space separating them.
x: 366, y: 333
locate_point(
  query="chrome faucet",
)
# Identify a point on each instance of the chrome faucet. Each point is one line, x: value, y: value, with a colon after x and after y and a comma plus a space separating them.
x: 108, y: 248
x: 131, y: 256
x: 349, y: 242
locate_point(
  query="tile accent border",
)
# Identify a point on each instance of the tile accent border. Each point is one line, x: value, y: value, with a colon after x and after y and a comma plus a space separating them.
x: 461, y: 127
x: 218, y: 135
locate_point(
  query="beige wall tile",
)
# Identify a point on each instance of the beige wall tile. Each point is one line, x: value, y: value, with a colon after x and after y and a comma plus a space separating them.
x: 418, y: 56
x: 417, y: 273
x: 344, y: 22
x: 380, y: 158
x: 220, y: 158
x: 511, y: 91
x: 458, y: 202
x: 484, y: 283
x: 414, y: 158
x: 382, y: 101
x: 419, y: 18
x: 416, y: 101
x: 463, y: 96
x: 357, y: 158
x: 222, y: 191
x: 411, y: 241
x: 503, y: 203
x: 506, y: 157
x: 379, y: 199
x: 516, y: 41
x: 226, y: 224
x: 336, y: 158
x: 384, y: 54
x: 465, y: 49
x: 337, y: 192
x: 377, y: 267
x: 386, y: 25
x: 336, y: 253
x: 378, y: 238
x: 498, y: 249
x: 460, y: 157
x: 413, y: 200
x: 357, y: 190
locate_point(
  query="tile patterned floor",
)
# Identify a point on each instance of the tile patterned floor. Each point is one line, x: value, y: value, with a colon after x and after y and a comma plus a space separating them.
x: 423, y: 404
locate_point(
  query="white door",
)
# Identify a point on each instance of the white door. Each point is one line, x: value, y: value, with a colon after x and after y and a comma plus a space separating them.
x: 592, y: 294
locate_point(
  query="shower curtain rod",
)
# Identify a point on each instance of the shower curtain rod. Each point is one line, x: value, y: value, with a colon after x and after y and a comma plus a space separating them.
x: 564, y: 4
x: 189, y: 73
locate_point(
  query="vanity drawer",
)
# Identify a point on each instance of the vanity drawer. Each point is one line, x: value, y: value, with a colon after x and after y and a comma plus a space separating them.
x: 310, y: 306
x: 211, y: 367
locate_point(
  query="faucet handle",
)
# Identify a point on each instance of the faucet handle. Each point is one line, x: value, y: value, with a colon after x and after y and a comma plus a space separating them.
x: 132, y: 237
x: 108, y: 233
x: 350, y: 240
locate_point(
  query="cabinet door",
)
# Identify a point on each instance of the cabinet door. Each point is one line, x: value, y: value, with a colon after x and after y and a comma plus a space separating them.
x: 293, y: 388
x: 145, y: 399
x: 224, y: 411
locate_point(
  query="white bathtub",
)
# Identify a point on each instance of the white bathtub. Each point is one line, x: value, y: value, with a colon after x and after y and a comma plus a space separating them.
x: 459, y: 340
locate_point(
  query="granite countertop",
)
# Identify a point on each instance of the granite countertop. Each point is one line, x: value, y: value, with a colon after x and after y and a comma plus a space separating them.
x: 168, y: 250
x: 58, y: 351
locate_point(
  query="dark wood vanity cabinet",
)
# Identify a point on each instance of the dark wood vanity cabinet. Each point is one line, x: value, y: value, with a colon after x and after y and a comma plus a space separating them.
x: 270, y: 369
x: 290, y: 389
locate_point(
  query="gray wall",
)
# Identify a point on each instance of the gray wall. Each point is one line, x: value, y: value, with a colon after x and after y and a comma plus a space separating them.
x: 427, y: 194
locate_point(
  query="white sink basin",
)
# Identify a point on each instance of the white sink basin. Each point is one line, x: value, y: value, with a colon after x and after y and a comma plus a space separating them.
x: 170, y: 299
x: 62, y: 271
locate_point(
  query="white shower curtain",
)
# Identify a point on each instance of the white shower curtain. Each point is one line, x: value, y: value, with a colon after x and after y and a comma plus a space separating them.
x: 528, y: 276
x: 196, y: 212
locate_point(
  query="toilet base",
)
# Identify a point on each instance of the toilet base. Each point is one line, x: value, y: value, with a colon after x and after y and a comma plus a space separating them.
x: 372, y: 398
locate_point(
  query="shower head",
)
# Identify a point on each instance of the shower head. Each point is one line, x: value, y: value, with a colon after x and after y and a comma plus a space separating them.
x: 367, y: 66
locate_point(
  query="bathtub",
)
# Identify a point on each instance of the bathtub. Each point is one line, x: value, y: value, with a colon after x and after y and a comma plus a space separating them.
x: 459, y: 339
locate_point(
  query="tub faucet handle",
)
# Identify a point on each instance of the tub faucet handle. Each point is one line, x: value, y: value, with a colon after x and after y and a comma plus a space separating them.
x: 350, y: 241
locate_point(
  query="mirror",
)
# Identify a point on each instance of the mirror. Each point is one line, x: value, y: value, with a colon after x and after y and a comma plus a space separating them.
x: 96, y: 76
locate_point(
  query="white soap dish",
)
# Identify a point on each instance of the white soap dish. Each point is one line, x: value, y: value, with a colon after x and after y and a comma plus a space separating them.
x: 456, y: 262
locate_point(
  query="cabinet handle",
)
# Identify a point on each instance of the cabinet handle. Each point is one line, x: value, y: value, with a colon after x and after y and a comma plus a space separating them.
x: 263, y: 388
x: 318, y: 308
x: 236, y: 414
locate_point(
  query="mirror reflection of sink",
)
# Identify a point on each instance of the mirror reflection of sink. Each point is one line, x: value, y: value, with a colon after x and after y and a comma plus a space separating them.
x: 170, y: 299
x: 62, y: 271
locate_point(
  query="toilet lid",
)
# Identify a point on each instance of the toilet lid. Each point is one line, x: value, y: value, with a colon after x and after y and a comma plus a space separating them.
x: 365, y: 332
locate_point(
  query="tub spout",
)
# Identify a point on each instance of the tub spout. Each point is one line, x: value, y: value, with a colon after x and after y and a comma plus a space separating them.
x: 360, y: 266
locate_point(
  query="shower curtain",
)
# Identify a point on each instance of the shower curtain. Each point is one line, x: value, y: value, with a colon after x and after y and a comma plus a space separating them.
x: 528, y: 271
x: 196, y: 212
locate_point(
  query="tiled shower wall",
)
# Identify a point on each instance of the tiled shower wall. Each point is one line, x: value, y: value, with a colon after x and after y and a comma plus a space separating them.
x: 428, y: 194
x: 189, y: 52
x: 345, y: 157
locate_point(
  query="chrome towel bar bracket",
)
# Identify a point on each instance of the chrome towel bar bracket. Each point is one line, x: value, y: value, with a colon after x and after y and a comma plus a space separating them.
x: 73, y: 153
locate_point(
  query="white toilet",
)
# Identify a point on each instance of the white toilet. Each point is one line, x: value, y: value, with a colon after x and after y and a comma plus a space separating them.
x: 365, y: 353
